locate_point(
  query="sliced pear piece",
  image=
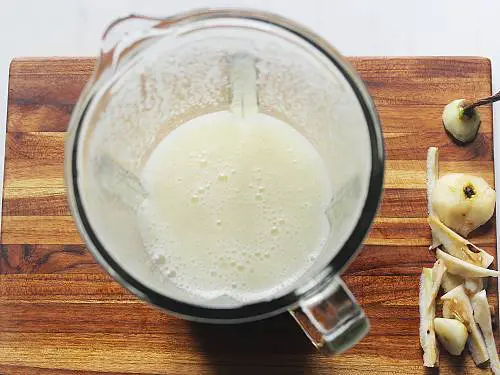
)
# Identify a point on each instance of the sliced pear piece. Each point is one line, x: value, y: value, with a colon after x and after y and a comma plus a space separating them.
x: 482, y: 317
x: 473, y: 285
x: 427, y: 314
x: 432, y: 175
x: 476, y: 348
x: 451, y: 281
x: 458, y: 267
x: 456, y: 245
x: 452, y: 334
x: 457, y: 305
x: 462, y: 202
x: 438, y: 270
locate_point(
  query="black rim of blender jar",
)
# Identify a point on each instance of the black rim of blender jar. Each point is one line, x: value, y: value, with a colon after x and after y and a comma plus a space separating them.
x: 339, y: 262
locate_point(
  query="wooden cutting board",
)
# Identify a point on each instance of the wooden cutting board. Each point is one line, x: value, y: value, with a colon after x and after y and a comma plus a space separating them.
x: 60, y: 313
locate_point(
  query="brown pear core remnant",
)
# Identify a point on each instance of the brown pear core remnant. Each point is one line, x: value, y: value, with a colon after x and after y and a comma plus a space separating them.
x: 469, y: 191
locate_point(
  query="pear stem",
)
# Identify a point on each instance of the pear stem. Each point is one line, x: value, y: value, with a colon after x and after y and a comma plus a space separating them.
x: 468, y: 109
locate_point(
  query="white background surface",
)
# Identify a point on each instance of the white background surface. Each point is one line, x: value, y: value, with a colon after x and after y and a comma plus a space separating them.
x: 354, y: 27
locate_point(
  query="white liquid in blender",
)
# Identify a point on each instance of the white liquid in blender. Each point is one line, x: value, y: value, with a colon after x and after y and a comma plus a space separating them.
x: 235, y: 206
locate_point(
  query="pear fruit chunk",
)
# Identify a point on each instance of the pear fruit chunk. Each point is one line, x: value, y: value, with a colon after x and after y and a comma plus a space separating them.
x: 427, y: 309
x: 432, y: 175
x: 451, y: 281
x: 456, y: 245
x: 438, y: 271
x: 459, y: 267
x: 462, y: 202
x: 483, y: 318
x: 452, y: 334
x: 474, y: 285
x: 462, y: 126
x: 456, y: 305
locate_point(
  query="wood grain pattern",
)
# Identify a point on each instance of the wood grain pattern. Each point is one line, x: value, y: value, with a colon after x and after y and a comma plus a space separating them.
x: 61, y: 314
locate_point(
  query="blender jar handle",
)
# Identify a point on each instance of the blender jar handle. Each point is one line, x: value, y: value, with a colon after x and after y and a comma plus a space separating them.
x: 331, y: 318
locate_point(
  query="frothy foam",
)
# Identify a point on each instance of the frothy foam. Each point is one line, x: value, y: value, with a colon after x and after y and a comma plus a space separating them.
x: 235, y: 206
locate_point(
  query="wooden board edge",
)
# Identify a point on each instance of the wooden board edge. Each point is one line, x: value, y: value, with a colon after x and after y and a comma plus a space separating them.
x: 23, y: 59
x: 365, y: 57
x: 423, y: 57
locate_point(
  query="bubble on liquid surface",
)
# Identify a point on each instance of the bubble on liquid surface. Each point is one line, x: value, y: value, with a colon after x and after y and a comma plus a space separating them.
x: 223, y: 177
x: 171, y: 273
x: 159, y: 259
